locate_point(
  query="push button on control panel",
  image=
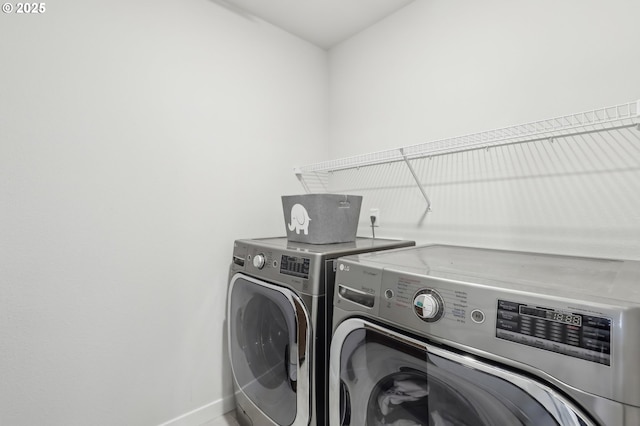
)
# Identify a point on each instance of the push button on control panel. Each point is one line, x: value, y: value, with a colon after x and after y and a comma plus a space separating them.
x: 477, y: 316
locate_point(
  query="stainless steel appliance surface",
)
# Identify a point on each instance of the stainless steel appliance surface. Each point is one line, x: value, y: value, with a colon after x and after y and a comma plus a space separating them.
x: 278, y: 324
x: 443, y: 335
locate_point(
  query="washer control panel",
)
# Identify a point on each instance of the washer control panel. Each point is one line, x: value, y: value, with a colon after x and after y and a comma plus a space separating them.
x: 296, y: 266
x: 295, y: 269
x: 570, y: 333
x: 413, y: 301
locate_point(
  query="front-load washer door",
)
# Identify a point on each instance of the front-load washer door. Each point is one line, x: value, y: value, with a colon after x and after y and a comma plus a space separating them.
x: 381, y: 377
x: 269, y: 338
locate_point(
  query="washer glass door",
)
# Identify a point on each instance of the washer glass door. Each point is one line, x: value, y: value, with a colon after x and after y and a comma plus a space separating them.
x: 268, y: 343
x: 380, y: 377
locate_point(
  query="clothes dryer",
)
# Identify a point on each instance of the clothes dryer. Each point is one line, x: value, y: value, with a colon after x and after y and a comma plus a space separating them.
x: 443, y: 335
x: 278, y: 322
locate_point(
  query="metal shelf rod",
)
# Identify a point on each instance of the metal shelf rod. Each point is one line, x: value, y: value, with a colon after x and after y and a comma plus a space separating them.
x: 415, y: 176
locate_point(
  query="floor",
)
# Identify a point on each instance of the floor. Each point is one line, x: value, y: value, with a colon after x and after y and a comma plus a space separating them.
x: 228, y: 419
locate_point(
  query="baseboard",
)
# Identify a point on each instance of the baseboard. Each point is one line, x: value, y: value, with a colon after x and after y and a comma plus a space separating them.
x: 203, y: 414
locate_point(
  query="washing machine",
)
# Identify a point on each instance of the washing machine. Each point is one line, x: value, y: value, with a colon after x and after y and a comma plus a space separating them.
x: 443, y: 335
x: 278, y: 320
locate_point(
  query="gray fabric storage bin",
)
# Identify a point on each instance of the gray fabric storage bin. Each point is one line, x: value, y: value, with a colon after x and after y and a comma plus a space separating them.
x: 321, y: 218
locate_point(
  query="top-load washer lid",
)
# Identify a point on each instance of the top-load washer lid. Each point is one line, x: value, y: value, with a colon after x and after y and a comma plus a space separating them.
x: 610, y: 278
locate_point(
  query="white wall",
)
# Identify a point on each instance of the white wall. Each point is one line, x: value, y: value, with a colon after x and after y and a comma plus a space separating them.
x: 441, y: 68
x: 137, y: 141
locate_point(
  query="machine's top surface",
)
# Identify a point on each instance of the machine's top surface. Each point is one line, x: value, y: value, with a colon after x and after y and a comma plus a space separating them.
x: 328, y: 250
x: 619, y: 279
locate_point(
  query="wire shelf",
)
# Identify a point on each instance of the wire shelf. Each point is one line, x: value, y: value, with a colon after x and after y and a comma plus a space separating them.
x: 598, y: 120
x: 593, y: 121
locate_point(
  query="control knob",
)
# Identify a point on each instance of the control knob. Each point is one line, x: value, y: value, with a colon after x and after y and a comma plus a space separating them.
x: 428, y: 305
x: 259, y: 261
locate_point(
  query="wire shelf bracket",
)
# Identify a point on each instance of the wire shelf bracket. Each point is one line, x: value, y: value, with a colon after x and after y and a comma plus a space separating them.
x: 417, y: 179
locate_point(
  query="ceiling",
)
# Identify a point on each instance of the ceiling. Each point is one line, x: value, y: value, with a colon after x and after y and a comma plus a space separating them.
x: 324, y: 23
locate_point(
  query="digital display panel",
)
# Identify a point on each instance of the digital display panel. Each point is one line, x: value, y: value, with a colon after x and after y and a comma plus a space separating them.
x: 573, y: 334
x: 552, y: 315
x: 295, y: 266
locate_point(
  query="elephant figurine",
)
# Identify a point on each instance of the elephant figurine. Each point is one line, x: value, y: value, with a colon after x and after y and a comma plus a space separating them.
x: 299, y: 219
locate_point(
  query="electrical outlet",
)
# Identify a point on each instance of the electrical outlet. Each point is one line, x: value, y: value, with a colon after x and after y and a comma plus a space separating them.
x: 375, y: 212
